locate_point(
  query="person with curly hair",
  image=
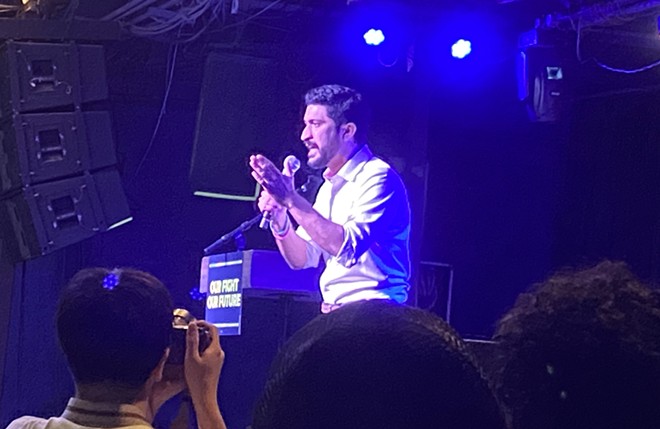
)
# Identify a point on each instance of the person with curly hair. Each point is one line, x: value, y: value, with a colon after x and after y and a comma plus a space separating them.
x: 582, y: 350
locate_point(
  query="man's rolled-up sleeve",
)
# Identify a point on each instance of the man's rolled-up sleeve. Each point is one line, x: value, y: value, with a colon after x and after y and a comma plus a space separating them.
x: 312, y: 251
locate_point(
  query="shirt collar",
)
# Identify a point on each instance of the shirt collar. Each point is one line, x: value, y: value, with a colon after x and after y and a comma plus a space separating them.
x: 353, y: 166
x: 104, y: 415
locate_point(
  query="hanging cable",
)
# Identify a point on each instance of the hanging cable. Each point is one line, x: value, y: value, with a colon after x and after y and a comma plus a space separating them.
x: 163, y: 108
x: 627, y: 71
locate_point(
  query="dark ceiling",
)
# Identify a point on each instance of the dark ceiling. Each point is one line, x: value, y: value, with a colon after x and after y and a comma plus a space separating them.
x: 261, y: 27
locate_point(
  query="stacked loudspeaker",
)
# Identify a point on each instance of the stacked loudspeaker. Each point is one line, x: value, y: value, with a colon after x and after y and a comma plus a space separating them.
x: 58, y: 178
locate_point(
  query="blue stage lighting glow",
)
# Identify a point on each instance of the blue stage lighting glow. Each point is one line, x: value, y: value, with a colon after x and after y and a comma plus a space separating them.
x: 196, y: 295
x: 461, y: 49
x: 374, y: 37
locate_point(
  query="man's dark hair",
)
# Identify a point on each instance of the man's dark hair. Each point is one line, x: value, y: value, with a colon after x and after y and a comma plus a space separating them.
x: 344, y: 105
x: 375, y: 364
x: 111, y: 332
x: 582, y: 350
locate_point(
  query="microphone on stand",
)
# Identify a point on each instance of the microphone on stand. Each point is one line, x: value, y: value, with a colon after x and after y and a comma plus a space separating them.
x: 291, y: 165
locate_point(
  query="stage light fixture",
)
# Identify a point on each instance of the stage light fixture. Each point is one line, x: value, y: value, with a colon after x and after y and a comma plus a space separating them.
x: 374, y: 37
x: 461, y: 49
x: 541, y: 74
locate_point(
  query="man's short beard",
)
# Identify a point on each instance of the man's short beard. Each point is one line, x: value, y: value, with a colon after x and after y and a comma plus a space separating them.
x: 318, y: 163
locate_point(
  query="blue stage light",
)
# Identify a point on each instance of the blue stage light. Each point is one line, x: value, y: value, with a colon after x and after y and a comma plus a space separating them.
x: 374, y: 37
x: 461, y: 49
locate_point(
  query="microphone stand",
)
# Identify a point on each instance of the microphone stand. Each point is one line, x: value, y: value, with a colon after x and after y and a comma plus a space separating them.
x: 237, y: 233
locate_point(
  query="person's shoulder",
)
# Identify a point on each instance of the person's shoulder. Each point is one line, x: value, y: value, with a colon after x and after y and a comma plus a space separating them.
x: 378, y: 169
x: 376, y: 165
x: 31, y: 422
x: 28, y: 422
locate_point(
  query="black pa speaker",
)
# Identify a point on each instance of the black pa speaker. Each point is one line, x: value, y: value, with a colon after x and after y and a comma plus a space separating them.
x: 245, y: 107
x: 40, y: 147
x: 57, y: 181
x: 46, y: 217
x: 40, y: 76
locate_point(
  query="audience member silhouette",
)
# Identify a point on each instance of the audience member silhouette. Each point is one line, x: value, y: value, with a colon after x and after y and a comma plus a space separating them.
x: 376, y: 364
x: 115, y: 329
x: 582, y: 350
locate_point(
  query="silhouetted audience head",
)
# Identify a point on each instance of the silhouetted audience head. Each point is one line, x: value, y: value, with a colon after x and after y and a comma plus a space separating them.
x: 114, y: 327
x: 375, y: 364
x: 582, y: 350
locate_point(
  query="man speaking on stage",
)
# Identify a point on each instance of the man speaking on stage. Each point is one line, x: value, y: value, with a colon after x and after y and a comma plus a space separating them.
x: 360, y: 221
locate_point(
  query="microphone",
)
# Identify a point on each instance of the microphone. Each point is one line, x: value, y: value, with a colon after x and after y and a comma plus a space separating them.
x: 291, y: 165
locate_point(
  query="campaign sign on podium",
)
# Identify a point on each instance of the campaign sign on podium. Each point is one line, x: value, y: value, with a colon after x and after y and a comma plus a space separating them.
x: 227, y: 277
x: 221, y: 280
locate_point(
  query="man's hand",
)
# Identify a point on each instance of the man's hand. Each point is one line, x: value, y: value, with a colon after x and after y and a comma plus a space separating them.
x: 266, y: 203
x: 278, y: 184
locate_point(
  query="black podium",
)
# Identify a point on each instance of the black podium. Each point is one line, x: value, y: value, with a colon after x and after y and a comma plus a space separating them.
x: 276, y: 301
